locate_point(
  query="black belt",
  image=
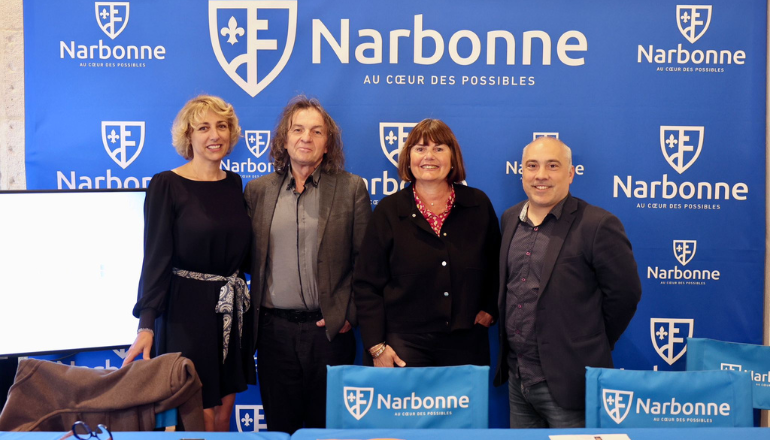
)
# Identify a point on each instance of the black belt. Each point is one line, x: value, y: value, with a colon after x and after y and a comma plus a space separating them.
x: 294, y: 315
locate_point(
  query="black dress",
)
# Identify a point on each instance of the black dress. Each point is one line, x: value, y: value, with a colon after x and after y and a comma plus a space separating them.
x: 203, y: 227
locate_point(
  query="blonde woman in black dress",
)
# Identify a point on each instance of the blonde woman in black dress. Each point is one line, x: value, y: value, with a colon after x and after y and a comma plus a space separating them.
x: 192, y: 297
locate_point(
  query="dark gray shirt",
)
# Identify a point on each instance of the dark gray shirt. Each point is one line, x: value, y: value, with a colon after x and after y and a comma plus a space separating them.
x: 293, y: 247
x: 526, y: 255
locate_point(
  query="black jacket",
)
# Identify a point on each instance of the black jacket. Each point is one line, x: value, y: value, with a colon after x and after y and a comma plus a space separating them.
x: 409, y: 280
x: 589, y: 290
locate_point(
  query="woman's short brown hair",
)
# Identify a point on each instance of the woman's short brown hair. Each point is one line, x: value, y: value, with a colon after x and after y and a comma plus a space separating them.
x: 193, y: 113
x: 436, y: 131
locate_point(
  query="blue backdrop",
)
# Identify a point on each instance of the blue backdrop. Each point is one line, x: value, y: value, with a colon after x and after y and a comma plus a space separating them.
x: 663, y: 105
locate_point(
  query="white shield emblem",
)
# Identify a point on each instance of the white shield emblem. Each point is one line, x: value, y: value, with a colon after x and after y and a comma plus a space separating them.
x: 247, y: 418
x: 668, y: 337
x: 257, y: 141
x: 112, y: 17
x: 123, y: 140
x: 681, y: 145
x: 617, y: 403
x: 539, y: 134
x: 684, y: 250
x: 392, y: 138
x: 236, y: 39
x: 358, y: 400
x: 731, y: 367
x: 691, y: 21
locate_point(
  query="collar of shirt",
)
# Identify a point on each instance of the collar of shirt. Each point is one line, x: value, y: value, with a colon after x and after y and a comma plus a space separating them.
x: 555, y: 211
x: 312, y: 179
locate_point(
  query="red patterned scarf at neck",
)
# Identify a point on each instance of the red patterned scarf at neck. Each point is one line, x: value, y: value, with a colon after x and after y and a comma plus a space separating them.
x: 435, y: 220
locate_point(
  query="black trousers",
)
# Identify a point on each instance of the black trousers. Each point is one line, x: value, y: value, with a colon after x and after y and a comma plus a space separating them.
x: 291, y: 364
x: 8, y: 368
x: 459, y: 347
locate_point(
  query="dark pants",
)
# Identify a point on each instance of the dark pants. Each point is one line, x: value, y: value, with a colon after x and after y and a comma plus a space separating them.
x: 291, y: 364
x: 535, y: 407
x: 459, y: 347
x: 8, y: 368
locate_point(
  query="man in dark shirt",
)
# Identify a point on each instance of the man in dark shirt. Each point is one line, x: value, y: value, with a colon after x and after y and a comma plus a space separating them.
x: 309, y: 218
x: 569, y: 287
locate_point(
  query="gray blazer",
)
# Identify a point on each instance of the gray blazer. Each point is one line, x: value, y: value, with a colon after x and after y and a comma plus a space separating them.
x: 344, y: 211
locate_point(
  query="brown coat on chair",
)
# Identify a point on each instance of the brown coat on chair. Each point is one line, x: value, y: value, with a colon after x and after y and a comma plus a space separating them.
x: 47, y: 396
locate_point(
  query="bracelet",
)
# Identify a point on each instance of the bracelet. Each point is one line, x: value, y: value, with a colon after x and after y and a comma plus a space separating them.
x: 374, y: 348
x: 146, y: 330
x: 379, y: 351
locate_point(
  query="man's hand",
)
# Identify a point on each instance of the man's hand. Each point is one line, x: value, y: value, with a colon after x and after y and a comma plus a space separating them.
x: 484, y: 319
x: 345, y: 328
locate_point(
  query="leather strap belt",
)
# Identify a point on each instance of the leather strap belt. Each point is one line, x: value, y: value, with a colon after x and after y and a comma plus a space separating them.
x: 292, y: 315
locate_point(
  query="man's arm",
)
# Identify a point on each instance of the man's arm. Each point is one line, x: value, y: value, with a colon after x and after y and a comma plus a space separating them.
x: 617, y: 275
x: 250, y: 195
x: 362, y: 212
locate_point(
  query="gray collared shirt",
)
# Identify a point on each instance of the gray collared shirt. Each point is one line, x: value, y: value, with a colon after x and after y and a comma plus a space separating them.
x: 293, y: 248
x: 526, y: 255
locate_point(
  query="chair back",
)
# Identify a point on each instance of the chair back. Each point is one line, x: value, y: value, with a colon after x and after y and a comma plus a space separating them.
x: 667, y: 399
x: 753, y: 360
x: 433, y: 397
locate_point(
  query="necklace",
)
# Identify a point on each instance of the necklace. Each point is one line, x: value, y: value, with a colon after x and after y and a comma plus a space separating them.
x: 425, y: 199
x: 439, y: 199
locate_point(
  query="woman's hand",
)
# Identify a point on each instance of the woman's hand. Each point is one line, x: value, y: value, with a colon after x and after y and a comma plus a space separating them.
x: 484, y: 319
x: 142, y: 345
x: 388, y: 358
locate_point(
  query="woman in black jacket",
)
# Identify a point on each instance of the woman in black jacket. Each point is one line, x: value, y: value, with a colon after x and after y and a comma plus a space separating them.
x: 426, y: 278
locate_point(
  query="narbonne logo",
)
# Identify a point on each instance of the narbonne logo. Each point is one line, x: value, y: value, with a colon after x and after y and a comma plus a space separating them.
x: 684, y: 250
x: 730, y: 367
x: 691, y: 22
x: 241, y: 38
x: 257, y: 141
x: 539, y: 134
x: 617, y: 403
x: 358, y: 400
x: 392, y: 138
x: 681, y: 145
x: 248, y: 418
x: 666, y: 332
x: 112, y: 17
x: 123, y: 140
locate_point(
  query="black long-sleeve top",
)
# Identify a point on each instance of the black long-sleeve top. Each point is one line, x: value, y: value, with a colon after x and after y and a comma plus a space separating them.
x: 409, y: 280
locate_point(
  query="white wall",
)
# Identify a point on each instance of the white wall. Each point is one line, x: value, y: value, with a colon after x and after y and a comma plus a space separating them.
x: 11, y: 96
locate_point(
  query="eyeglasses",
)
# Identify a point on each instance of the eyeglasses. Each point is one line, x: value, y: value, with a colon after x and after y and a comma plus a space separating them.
x: 82, y: 431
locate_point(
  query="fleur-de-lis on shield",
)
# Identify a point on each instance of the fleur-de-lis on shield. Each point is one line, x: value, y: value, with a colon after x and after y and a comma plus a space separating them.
x: 232, y: 29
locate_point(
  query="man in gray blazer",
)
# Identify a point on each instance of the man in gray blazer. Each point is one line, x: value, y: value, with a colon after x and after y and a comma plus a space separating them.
x: 309, y: 218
